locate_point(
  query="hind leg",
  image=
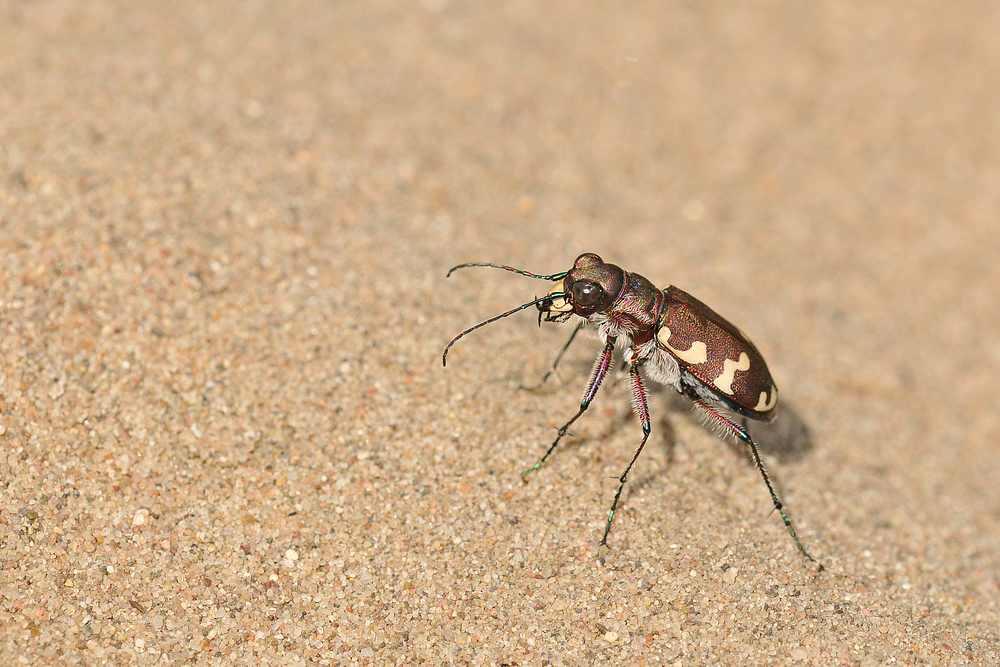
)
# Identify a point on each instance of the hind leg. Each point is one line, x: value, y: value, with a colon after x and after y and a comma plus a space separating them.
x: 728, y: 427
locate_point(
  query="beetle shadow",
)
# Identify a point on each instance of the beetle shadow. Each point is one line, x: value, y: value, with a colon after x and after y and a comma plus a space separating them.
x: 787, y: 437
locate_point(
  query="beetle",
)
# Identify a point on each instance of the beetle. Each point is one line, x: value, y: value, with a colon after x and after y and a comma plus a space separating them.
x: 674, y: 338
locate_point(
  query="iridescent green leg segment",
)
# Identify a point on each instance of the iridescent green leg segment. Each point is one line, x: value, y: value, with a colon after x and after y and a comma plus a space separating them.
x: 601, y: 367
x: 742, y: 434
x: 641, y: 409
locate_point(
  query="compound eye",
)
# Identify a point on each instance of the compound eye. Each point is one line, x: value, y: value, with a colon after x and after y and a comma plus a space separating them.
x: 586, y: 293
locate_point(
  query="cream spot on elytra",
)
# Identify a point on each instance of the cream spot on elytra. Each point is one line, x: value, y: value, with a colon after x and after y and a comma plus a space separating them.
x: 696, y: 354
x: 729, y: 367
x: 765, y: 403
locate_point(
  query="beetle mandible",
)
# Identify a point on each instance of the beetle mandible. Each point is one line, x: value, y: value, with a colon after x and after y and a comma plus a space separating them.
x: 679, y: 342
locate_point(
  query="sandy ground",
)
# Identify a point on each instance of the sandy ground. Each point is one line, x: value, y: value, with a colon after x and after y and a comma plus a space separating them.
x: 227, y: 437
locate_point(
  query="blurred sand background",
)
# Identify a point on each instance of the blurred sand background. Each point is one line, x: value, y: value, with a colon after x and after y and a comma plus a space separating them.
x: 227, y: 437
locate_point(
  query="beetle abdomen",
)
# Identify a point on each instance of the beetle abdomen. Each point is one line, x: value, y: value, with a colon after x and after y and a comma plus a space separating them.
x: 717, y: 354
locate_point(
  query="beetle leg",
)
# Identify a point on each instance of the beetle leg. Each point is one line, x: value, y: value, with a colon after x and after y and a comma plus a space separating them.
x: 729, y: 427
x: 601, y: 367
x: 576, y: 330
x: 641, y: 409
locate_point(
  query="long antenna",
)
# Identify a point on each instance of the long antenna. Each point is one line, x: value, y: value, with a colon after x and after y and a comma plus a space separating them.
x: 553, y: 277
x: 547, y: 297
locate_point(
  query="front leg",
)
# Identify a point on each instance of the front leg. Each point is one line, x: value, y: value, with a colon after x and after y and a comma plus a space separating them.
x: 601, y: 367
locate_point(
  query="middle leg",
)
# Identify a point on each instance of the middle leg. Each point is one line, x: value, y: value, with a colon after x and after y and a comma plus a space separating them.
x: 640, y: 406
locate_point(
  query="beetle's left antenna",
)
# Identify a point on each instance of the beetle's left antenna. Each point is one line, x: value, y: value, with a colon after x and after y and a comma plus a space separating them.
x: 557, y: 295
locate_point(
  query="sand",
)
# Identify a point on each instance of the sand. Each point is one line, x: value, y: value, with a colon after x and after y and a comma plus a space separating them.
x: 227, y: 437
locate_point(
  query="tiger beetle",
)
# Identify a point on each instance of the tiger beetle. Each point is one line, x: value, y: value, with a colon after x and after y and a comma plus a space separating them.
x: 679, y: 342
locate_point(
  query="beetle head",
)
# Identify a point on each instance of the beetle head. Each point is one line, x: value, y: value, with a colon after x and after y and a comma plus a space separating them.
x: 591, y: 286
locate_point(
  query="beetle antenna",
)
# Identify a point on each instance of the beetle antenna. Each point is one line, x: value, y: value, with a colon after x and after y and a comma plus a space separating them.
x: 553, y: 277
x: 547, y: 297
